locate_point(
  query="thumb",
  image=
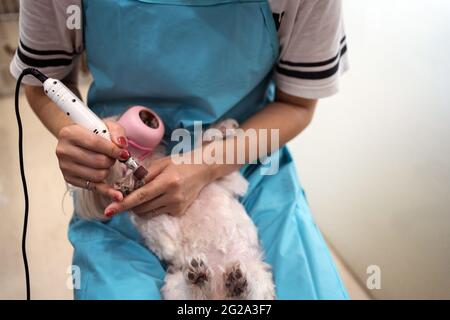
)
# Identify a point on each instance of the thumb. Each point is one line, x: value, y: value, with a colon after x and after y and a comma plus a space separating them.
x: 117, y: 132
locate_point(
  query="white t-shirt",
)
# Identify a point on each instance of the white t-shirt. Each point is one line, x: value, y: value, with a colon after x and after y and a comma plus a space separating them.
x: 311, y: 33
x: 313, y: 46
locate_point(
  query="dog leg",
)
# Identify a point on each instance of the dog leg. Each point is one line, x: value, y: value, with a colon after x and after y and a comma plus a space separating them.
x: 198, y: 276
x: 260, y: 280
x: 175, y: 287
x: 197, y: 272
x: 128, y: 184
x: 236, y: 284
x: 221, y: 130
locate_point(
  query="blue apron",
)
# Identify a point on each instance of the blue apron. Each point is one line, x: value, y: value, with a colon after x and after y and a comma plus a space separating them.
x: 194, y: 60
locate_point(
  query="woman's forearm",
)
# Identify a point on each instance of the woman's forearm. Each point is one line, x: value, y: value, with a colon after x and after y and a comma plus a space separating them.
x: 288, y: 115
x: 50, y: 115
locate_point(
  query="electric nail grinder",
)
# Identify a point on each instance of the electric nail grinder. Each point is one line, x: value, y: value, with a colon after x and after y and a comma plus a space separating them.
x: 82, y: 115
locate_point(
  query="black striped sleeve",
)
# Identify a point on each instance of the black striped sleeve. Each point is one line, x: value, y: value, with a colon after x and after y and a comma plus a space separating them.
x: 318, y: 70
x: 45, y: 42
x: 314, y: 52
x: 43, y: 58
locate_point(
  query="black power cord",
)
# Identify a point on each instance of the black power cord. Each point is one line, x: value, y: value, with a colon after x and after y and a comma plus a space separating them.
x: 41, y: 77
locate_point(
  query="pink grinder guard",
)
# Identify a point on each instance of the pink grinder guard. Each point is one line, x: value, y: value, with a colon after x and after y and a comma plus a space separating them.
x: 142, y: 139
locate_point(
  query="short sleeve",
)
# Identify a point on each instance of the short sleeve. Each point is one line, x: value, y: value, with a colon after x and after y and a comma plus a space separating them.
x: 46, y: 41
x: 313, y: 48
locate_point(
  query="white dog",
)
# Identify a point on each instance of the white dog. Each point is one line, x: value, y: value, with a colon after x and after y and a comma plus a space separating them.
x: 212, y: 251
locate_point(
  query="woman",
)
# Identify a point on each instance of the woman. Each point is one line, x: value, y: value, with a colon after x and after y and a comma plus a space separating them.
x: 189, y: 60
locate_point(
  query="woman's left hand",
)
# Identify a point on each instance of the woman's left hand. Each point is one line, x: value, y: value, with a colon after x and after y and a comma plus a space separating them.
x: 170, y: 188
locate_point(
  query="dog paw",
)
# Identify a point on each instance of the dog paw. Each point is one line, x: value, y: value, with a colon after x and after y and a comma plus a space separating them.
x: 228, y: 127
x: 128, y: 184
x: 197, y: 272
x: 224, y: 129
x: 236, y: 283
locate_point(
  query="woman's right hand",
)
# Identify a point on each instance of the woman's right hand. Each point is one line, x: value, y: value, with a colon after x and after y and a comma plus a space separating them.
x: 85, y: 158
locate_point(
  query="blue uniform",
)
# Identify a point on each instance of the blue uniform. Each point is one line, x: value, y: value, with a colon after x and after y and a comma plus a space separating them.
x: 195, y: 60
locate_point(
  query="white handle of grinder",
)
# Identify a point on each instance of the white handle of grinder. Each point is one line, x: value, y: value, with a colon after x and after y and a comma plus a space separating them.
x: 67, y: 101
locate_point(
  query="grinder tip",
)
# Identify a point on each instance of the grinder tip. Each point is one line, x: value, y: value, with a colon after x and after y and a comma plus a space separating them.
x: 140, y: 173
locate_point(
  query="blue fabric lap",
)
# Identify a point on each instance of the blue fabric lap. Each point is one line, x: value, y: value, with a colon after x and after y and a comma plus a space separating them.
x: 210, y: 60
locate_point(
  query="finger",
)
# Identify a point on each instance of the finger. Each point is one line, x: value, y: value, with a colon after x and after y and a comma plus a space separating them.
x: 83, y: 172
x: 161, y: 201
x: 87, y: 158
x: 151, y: 213
x: 174, y: 210
x: 117, y: 133
x: 148, y: 192
x: 155, y: 169
x: 108, y: 191
x: 88, y: 140
x: 101, y: 188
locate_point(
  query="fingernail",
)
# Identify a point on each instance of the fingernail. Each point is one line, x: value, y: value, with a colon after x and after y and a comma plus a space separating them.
x: 109, y: 212
x: 124, y: 154
x: 122, y: 141
x: 117, y: 198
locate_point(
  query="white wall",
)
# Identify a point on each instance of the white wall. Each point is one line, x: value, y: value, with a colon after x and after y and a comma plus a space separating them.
x: 376, y: 161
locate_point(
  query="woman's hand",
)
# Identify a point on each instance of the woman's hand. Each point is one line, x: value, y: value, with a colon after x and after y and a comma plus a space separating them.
x: 170, y: 188
x: 173, y: 187
x: 85, y: 158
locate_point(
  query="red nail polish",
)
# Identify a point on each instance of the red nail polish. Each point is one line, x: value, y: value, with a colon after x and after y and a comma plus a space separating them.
x: 124, y: 154
x: 116, y: 198
x: 122, y: 141
x: 109, y: 212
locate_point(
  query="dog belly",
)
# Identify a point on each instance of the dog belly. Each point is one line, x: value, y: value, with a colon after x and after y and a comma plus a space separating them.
x: 212, y: 250
x: 217, y: 225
